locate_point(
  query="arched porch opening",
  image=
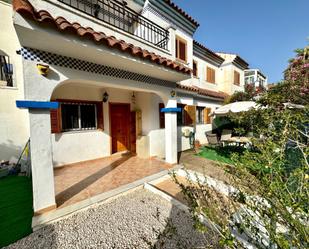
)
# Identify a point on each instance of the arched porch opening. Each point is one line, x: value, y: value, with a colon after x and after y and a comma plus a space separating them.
x: 91, y: 160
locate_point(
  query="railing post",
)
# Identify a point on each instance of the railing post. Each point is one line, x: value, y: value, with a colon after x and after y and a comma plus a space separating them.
x: 116, y: 12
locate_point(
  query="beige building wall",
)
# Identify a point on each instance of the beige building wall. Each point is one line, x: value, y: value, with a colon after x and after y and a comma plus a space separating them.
x: 14, y: 123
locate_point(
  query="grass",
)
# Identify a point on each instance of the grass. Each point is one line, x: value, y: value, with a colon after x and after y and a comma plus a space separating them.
x: 220, y: 154
x: 15, y: 208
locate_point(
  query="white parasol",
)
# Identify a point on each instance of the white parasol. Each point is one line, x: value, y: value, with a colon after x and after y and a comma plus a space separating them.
x: 241, y: 106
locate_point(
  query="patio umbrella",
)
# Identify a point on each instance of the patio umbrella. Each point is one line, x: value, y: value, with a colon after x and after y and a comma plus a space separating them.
x: 241, y: 106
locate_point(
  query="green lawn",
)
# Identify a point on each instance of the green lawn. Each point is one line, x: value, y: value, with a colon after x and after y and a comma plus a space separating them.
x: 15, y: 208
x: 220, y: 154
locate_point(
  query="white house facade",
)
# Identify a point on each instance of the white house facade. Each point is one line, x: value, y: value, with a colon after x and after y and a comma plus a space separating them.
x: 14, y: 125
x: 256, y: 78
x: 102, y: 77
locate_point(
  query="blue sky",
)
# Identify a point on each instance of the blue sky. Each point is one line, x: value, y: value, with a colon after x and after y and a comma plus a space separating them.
x: 263, y: 32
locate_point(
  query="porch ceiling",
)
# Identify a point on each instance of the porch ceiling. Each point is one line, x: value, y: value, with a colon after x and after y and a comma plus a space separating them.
x: 41, y: 31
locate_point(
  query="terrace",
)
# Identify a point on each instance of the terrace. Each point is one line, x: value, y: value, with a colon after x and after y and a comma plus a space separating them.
x: 119, y: 15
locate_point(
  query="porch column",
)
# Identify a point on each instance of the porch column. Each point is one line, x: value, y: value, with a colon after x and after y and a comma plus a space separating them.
x: 41, y: 154
x: 41, y: 161
x: 171, y: 153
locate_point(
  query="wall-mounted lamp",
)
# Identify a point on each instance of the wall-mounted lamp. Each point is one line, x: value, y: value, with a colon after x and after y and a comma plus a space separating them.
x: 105, y: 97
x: 173, y: 93
x: 43, y: 69
x: 133, y: 98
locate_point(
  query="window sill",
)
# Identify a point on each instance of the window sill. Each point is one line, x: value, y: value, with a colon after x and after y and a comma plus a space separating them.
x: 181, y: 61
x: 79, y: 131
x: 9, y: 87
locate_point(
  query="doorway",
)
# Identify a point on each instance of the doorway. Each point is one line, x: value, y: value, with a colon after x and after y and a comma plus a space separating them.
x: 119, y: 127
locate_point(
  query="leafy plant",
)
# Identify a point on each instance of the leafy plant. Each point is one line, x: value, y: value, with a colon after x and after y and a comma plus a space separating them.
x: 270, y: 204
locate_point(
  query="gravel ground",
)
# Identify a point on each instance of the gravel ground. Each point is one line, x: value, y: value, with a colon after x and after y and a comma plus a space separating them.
x: 138, y: 220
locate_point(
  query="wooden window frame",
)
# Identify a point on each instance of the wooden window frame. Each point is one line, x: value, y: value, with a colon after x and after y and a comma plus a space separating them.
x: 236, y: 81
x: 200, y: 109
x: 207, y: 119
x: 99, y: 121
x: 212, y: 78
x: 177, y: 51
x: 195, y: 62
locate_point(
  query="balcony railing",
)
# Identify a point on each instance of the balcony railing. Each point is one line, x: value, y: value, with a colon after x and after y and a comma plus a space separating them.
x: 119, y: 15
x: 6, y: 70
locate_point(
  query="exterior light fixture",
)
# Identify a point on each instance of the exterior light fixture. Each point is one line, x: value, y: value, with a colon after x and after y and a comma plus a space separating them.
x: 43, y: 69
x: 173, y: 93
x: 133, y: 98
x: 105, y: 97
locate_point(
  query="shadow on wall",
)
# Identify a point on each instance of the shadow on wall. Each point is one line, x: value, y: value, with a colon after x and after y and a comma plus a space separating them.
x: 9, y: 149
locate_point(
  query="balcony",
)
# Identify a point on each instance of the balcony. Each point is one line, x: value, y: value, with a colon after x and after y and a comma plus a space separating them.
x: 119, y: 15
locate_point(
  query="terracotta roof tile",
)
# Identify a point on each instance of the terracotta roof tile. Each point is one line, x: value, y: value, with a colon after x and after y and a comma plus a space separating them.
x: 182, y: 12
x: 208, y: 50
x: 24, y: 8
x: 201, y: 91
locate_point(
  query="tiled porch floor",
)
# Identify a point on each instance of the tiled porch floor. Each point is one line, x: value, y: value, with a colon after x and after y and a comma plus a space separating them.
x: 79, y: 181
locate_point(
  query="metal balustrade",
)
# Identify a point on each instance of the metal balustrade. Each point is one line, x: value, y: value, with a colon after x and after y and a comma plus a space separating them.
x: 119, y: 15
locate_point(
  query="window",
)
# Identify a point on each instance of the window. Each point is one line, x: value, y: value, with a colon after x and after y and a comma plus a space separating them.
x: 236, y: 78
x: 77, y: 115
x: 194, y: 68
x: 211, y: 75
x: 6, y: 70
x: 181, y: 49
x: 181, y: 115
x: 200, y: 115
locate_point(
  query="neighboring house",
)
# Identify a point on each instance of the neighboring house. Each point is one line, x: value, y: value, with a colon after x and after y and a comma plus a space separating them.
x: 232, y: 73
x: 256, y: 78
x: 105, y: 77
x: 14, y: 122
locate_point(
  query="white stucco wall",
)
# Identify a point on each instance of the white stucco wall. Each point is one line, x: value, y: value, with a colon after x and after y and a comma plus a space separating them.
x: 14, y: 122
x: 201, y: 79
x: 56, y: 8
x: 226, y: 76
x: 87, y: 145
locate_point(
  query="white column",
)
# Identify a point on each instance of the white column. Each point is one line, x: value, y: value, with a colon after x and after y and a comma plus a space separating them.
x: 41, y: 160
x: 171, y: 153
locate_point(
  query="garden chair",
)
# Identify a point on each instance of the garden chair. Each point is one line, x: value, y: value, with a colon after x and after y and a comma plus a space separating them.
x: 212, y: 139
x: 226, y: 137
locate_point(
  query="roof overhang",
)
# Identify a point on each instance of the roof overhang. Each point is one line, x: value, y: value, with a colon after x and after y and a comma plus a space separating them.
x: 201, y: 93
x: 206, y: 54
x: 39, y: 30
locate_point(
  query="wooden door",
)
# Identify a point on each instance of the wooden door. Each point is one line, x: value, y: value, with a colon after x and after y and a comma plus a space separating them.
x: 133, y: 132
x: 120, y: 127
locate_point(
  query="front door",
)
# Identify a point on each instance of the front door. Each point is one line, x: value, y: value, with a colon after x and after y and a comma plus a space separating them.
x: 120, y: 127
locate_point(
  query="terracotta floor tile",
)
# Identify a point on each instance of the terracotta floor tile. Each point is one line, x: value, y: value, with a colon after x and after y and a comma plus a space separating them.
x: 80, y: 181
